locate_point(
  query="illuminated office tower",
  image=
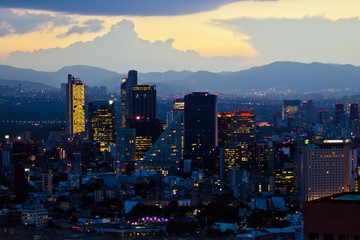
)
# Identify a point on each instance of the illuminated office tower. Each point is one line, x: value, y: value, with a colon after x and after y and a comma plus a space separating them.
x: 339, y: 111
x: 167, y: 151
x: 284, y: 167
x: 147, y: 132
x: 229, y: 156
x: 126, y: 96
x: 75, y: 105
x: 224, y: 128
x: 143, y: 102
x: 102, y: 123
x: 327, y: 168
x: 290, y: 108
x: 243, y: 128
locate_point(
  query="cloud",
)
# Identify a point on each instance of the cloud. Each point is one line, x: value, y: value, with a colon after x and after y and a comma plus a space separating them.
x: 306, y: 40
x: 89, y: 26
x: 119, y: 50
x: 15, y: 23
x: 120, y: 7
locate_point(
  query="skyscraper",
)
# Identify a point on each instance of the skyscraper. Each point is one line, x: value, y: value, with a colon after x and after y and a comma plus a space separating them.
x: 243, y: 128
x: 237, y: 129
x: 354, y: 111
x: 354, y: 118
x: 224, y: 128
x: 127, y: 145
x: 75, y: 106
x: 147, y: 132
x: 308, y: 110
x: 200, y: 127
x: 102, y: 123
x: 126, y: 96
x: 339, y: 111
x: 167, y: 151
x: 143, y: 102
x: 327, y: 168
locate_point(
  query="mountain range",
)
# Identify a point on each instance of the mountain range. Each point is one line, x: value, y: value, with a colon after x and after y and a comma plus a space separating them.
x: 277, y: 77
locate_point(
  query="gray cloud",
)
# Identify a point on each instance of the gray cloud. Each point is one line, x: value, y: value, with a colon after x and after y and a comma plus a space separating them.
x: 90, y: 26
x: 304, y: 40
x: 13, y: 23
x: 120, y: 7
x: 119, y: 50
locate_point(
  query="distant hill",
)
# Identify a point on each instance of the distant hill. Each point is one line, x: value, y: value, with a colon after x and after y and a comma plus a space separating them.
x: 296, y: 77
x: 28, y: 85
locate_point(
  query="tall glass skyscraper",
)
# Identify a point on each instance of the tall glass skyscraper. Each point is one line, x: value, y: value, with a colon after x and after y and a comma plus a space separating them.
x: 75, y: 106
x: 143, y: 104
x: 102, y: 123
x: 126, y: 96
x: 200, y: 128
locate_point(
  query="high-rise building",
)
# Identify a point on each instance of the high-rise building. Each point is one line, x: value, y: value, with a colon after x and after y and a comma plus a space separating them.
x: 327, y: 168
x: 102, y: 123
x: 126, y: 96
x: 143, y: 102
x: 236, y: 129
x: 138, y: 111
x: 354, y: 118
x: 309, y: 111
x: 147, y: 132
x: 225, y: 128
x: 200, y: 123
x: 75, y: 105
x: 354, y: 111
x: 230, y: 156
x: 339, y: 111
x: 127, y: 145
x: 243, y: 128
x: 167, y: 151
x: 200, y: 129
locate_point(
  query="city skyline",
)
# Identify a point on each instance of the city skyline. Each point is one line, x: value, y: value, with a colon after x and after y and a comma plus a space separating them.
x: 238, y: 119
x: 218, y: 36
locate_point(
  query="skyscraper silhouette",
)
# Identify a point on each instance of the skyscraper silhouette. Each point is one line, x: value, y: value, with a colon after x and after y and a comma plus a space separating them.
x: 126, y: 96
x: 200, y: 128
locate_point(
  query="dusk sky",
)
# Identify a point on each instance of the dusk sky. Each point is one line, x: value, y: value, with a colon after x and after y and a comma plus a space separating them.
x: 161, y: 35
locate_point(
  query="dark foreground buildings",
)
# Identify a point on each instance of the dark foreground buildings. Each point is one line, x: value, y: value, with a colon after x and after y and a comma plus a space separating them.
x: 334, y: 217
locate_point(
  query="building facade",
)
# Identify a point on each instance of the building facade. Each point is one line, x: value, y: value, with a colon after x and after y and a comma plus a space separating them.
x: 200, y: 129
x: 126, y: 96
x: 326, y: 168
x: 143, y: 102
x: 75, y: 106
x: 102, y: 123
